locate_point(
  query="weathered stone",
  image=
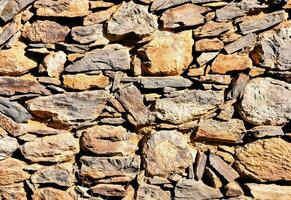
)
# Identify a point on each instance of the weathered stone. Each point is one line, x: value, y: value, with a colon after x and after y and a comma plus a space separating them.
x: 111, y: 57
x: 109, y: 190
x: 230, y: 131
x: 8, y: 145
x: 49, y: 193
x: 131, y: 18
x: 215, y: 78
x: 151, y: 192
x: 274, y: 100
x: 269, y: 191
x: 213, y: 178
x: 193, y: 190
x: 227, y: 63
x: 108, y: 140
x: 12, y: 171
x: 188, y: 105
x: 161, y: 82
x: 41, y: 129
x: 209, y: 45
x: 265, y: 131
x: 45, y: 31
x: 70, y: 107
x: 166, y: 152
x: 11, y: 8
x: 200, y: 164
x: 10, y: 126
x: 205, y: 57
x: 62, y: 8
x: 84, y: 82
x: 54, y: 64
x: 167, y: 53
x: 55, y: 148
x: 164, y: 4
x: 265, y: 160
x: 100, y: 4
x: 88, y: 34
x: 10, y: 30
x: 13, y: 191
x: 240, y: 43
x: 226, y: 113
x: 233, y: 189
x: 212, y: 29
x: 237, y: 87
x: 183, y: 16
x: 99, y: 16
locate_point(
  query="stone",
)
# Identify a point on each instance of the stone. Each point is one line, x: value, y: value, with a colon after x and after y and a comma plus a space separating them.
x: 99, y: 16
x: 274, y: 107
x: 233, y: 189
x: 8, y: 146
x: 215, y: 79
x: 209, y: 44
x: 84, y: 82
x: 131, y: 18
x: 200, y: 164
x: 237, y: 86
x: 230, y: 132
x: 166, y: 152
x: 164, y: 4
x: 45, y: 31
x: 206, y: 57
x: 13, y: 61
x: 226, y: 113
x: 54, y: 64
x: 228, y: 63
x: 264, y: 160
x: 13, y: 191
x: 151, y: 192
x: 70, y: 107
x: 10, y: 30
x: 54, y: 148
x: 41, y: 129
x: 132, y: 100
x: 167, y: 53
x: 109, y: 190
x: 111, y: 57
x: 12, y: 7
x: 213, y: 178
x: 10, y: 126
x: 108, y: 140
x: 188, y: 105
x: 240, y: 43
x: 100, y: 4
x: 186, y: 15
x: 265, y: 131
x: 88, y: 34
x: 11, y: 85
x: 192, y: 190
x: 62, y: 8
x: 211, y: 29
x: 161, y: 82
x: 271, y: 191
x: 49, y: 193
x: 226, y: 171
x: 12, y: 171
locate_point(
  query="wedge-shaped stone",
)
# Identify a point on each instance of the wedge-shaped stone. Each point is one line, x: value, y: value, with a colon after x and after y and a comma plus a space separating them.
x: 40, y: 128
x: 161, y: 82
x: 146, y: 191
x: 51, y: 193
x: 265, y: 131
x: 11, y: 29
x: 211, y: 29
x: 237, y: 86
x: 55, y: 148
x: 13, y: 191
x: 109, y: 190
x: 83, y: 81
x: 10, y: 126
x: 271, y: 191
x: 10, y: 8
x: 99, y: 16
x: 240, y: 43
x: 88, y: 34
x: 8, y: 145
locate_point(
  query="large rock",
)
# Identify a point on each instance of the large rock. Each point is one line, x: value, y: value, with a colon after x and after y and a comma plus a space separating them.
x: 167, y: 53
x: 13, y: 191
x: 188, y: 105
x: 166, y: 152
x: 131, y: 18
x: 70, y: 107
x: 8, y: 145
x: 55, y: 148
x: 49, y: 193
x: 151, y: 192
x: 88, y: 34
x: 269, y: 191
x: 265, y: 160
x: 274, y: 100
x: 10, y: 8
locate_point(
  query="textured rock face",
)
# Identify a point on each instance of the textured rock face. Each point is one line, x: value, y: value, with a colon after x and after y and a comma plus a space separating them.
x: 271, y: 191
x: 11, y: 8
x: 88, y: 34
x: 54, y: 64
x: 8, y: 145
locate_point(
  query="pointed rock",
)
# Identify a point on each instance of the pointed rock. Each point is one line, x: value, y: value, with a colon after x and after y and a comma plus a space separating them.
x: 11, y: 8
x: 237, y: 86
x: 164, y: 4
x: 265, y: 131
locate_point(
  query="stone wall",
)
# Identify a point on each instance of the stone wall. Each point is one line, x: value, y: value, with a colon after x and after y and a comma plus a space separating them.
x: 145, y: 99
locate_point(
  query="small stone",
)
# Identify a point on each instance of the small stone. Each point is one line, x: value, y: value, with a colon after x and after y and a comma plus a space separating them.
x: 49, y: 193
x: 100, y: 4
x: 99, y: 16
x: 237, y: 87
x: 256, y: 71
x: 271, y: 191
x: 146, y: 191
x: 54, y: 64
x: 41, y: 129
x: 10, y: 30
x: 11, y: 8
x: 88, y: 34
x: 216, y: 79
x: 226, y: 114
x: 199, y: 71
x: 45, y: 31
x: 13, y: 191
x: 164, y: 4
x: 209, y: 45
x: 109, y: 190
x: 200, y: 164
x: 8, y: 146
x: 240, y: 43
x: 265, y: 131
x: 7, y: 124
x: 233, y: 189
x: 211, y: 29
x: 84, y: 82
x: 213, y: 178
x: 206, y: 57
x: 162, y: 82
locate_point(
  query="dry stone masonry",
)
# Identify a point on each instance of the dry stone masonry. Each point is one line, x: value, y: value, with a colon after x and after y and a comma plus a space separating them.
x: 145, y: 99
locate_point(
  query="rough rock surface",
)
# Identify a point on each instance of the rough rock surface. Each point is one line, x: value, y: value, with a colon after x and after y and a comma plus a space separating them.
x: 271, y: 191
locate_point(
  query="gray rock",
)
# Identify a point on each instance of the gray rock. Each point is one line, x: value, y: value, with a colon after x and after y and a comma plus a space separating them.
x: 8, y: 145
x: 10, y: 8
x: 200, y: 164
x: 168, y: 81
x: 146, y: 191
x: 240, y: 43
x: 88, y: 34
x: 265, y: 131
x: 164, y: 4
x: 10, y: 30
x: 237, y: 86
x: 212, y: 28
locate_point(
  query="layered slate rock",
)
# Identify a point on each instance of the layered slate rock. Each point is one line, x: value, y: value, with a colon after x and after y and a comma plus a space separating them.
x: 10, y: 29
x: 272, y: 95
x: 88, y: 34
x: 13, y: 191
x: 109, y: 190
x: 161, y: 82
x: 83, y: 81
x: 10, y: 126
x: 264, y: 160
x: 11, y: 8
x: 265, y: 131
x: 208, y: 44
x: 212, y: 28
x: 272, y: 191
x: 51, y: 193
x: 164, y: 4
x: 166, y: 152
x: 146, y: 191
x: 8, y: 146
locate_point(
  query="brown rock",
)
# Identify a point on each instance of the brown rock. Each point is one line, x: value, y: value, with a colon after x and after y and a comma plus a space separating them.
x: 40, y: 129
x: 109, y: 190
x: 10, y: 126
x: 212, y: 29
x: 269, y: 191
x: 100, y: 4
x: 9, y: 9
x: 209, y: 45
x: 265, y: 160
x: 167, y: 53
x: 99, y: 16
x: 233, y: 189
x: 240, y: 43
x: 215, y: 79
x: 237, y: 86
x: 88, y: 34
x: 213, y: 178
x: 263, y: 131
x: 8, y: 146
x: 164, y: 4
x: 10, y: 30
x: 227, y: 63
x: 45, y: 32
x: 151, y: 192
x: 200, y: 164
x: 13, y: 191
x: 50, y: 193
x: 54, y: 64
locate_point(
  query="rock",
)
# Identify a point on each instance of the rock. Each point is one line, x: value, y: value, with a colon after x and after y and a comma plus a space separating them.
x: 227, y: 63
x: 131, y: 18
x: 12, y: 7
x: 186, y: 15
x: 84, y: 82
x: 262, y: 22
x: 99, y: 16
x: 45, y: 31
x: 164, y: 4
x: 240, y: 43
x: 70, y: 107
x: 49, y: 193
x: 54, y: 64
x: 108, y: 140
x: 167, y: 53
x: 200, y: 164
x: 62, y: 8
x: 100, y: 4
x: 55, y: 148
x: 13, y: 191
x: 111, y: 57
x: 41, y: 129
x: 215, y: 79
x: 188, y: 105
x: 274, y: 107
x: 8, y: 146
x: 265, y: 131
x: 231, y: 131
x: 226, y: 171
x: 264, y: 160
x: 166, y: 152
x: 13, y: 62
x: 271, y: 191
x: 10, y: 30
x: 233, y: 189
x: 213, y: 178
x: 237, y: 87
x: 192, y: 190
x: 151, y: 192
x: 161, y: 82
x: 7, y: 124
x: 10, y: 86
x: 212, y: 28
x: 106, y: 167
x: 209, y: 44
x: 12, y: 171
x: 88, y: 34
x: 109, y: 190
x: 132, y: 101
x: 205, y: 57
x: 226, y: 113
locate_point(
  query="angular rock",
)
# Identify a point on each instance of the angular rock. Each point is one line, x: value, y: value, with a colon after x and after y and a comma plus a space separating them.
x: 188, y: 105
x: 100, y: 4
x: 13, y: 191
x: 161, y: 82
x: 166, y: 152
x: 227, y: 63
x: 8, y: 146
x: 274, y: 98
x: 265, y: 160
x: 271, y: 191
x: 167, y: 53
x: 240, y: 43
x: 226, y: 113
x: 233, y: 189
x: 200, y: 164
x: 49, y: 193
x: 109, y: 190
x: 99, y: 16
x: 131, y: 18
x: 164, y: 4
x: 55, y: 148
x: 237, y: 87
x: 209, y: 45
x: 11, y: 8
x: 215, y: 78
x: 111, y: 57
x: 84, y: 82
x: 41, y: 129
x: 146, y: 191
x: 70, y: 107
x: 10, y: 30
x: 88, y: 34
x: 211, y: 29
x: 205, y: 57
x: 265, y: 131
x: 10, y: 126
x: 54, y: 64
x: 45, y: 31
